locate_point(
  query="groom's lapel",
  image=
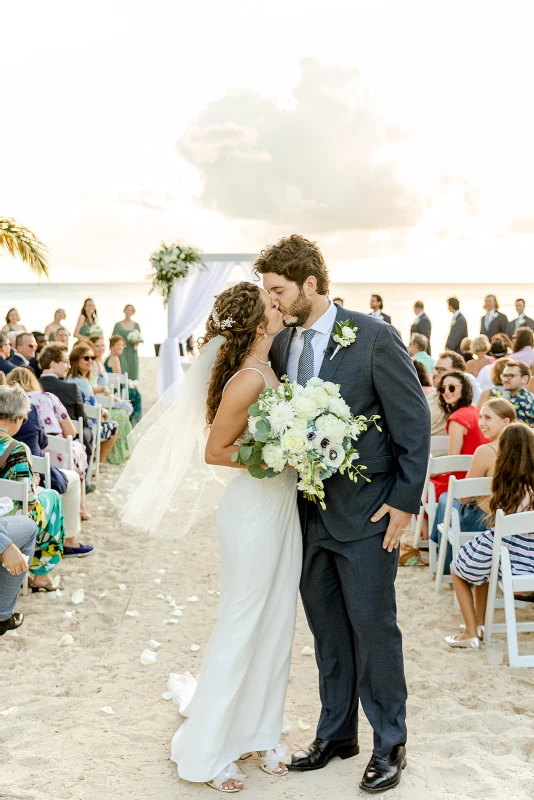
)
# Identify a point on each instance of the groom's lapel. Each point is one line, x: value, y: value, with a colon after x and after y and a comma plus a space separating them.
x: 331, y: 363
x: 285, y: 346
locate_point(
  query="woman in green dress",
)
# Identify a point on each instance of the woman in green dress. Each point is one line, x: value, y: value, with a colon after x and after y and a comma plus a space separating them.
x: 44, y: 506
x: 121, y: 411
x: 129, y: 359
x: 87, y: 324
x: 113, y: 364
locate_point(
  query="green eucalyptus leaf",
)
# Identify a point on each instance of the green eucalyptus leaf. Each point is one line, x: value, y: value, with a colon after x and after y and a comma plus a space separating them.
x: 256, y: 471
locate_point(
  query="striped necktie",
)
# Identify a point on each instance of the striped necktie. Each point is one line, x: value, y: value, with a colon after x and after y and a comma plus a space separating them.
x: 306, y: 360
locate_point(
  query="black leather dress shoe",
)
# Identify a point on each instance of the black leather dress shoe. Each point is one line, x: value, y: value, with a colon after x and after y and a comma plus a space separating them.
x: 320, y: 752
x: 384, y: 773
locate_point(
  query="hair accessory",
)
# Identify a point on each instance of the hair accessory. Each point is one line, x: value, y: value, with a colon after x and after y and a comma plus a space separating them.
x: 226, y: 323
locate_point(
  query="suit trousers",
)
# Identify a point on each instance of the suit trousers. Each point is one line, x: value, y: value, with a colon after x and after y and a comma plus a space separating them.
x: 348, y: 592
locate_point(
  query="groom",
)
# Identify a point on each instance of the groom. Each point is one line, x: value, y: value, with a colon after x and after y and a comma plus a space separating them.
x: 351, y: 548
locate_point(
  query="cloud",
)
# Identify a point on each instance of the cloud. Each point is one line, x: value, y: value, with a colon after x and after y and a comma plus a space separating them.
x: 323, y: 165
x: 521, y: 223
x: 465, y: 191
x: 147, y: 199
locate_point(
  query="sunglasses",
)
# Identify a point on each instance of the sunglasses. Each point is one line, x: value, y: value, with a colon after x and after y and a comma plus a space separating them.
x: 88, y: 358
x: 451, y: 388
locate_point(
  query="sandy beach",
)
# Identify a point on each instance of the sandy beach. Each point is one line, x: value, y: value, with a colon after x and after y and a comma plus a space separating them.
x: 470, y: 725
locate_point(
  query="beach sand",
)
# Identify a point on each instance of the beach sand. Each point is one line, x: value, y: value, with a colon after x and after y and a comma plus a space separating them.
x: 470, y: 725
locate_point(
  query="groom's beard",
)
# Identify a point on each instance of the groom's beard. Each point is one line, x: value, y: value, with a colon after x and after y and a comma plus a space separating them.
x: 298, y: 312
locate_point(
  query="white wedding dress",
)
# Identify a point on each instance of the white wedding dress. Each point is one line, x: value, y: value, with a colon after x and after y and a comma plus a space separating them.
x: 238, y: 704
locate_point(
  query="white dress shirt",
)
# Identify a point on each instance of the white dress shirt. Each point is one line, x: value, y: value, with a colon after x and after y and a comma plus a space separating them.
x: 378, y: 314
x: 323, y: 328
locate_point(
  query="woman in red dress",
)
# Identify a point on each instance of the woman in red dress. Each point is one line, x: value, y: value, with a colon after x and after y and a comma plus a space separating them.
x: 455, y: 398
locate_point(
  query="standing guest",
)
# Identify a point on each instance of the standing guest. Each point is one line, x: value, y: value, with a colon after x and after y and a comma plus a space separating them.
x: 113, y: 364
x: 448, y: 361
x: 53, y: 327
x: 521, y: 321
x: 122, y: 409
x: 456, y: 398
x: 13, y: 323
x: 421, y: 323
x: 17, y: 546
x: 418, y: 349
x: 523, y: 346
x: 26, y: 347
x: 62, y: 337
x: 424, y: 378
x: 128, y: 358
x: 5, y: 354
x: 54, y: 362
x: 87, y: 321
x: 479, y: 348
x: 493, y: 321
x: 339, y: 301
x: 458, y: 329
x: 495, y: 416
x: 45, y: 506
x: 513, y: 492
x: 377, y: 305
x: 465, y: 349
x: 82, y: 358
x: 515, y: 379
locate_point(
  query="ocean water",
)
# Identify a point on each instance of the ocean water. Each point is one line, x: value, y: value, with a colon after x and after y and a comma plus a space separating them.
x: 37, y: 303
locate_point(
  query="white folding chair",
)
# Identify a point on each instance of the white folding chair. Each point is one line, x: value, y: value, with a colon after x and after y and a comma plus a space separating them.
x: 509, y: 526
x: 436, y: 466
x: 57, y: 444
x: 17, y: 491
x: 439, y: 445
x: 41, y: 464
x: 450, y: 527
x: 104, y: 402
x: 124, y: 386
x: 94, y: 413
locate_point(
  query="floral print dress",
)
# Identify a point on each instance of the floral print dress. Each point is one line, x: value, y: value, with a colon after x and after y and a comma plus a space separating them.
x: 48, y: 511
x: 50, y: 411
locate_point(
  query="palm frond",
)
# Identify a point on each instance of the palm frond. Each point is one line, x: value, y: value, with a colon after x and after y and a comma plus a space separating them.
x: 22, y: 242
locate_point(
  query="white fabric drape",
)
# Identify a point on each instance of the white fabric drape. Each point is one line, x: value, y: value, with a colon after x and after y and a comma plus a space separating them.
x: 189, y: 304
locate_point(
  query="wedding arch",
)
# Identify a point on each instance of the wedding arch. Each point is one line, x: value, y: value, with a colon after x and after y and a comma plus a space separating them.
x: 189, y: 304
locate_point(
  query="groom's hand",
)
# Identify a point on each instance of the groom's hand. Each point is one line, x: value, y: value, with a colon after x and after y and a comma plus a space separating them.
x: 398, y: 520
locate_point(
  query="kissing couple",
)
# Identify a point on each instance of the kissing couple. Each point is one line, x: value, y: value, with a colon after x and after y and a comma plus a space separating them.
x: 272, y: 539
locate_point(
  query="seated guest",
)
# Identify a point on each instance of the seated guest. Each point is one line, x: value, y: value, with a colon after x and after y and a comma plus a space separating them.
x: 54, y: 363
x: 456, y: 398
x: 62, y: 337
x: 113, y: 364
x: 479, y: 348
x: 122, y: 409
x: 495, y: 416
x: 42, y: 341
x: 53, y: 327
x: 424, y: 377
x: 418, y: 349
x: 26, y: 347
x: 5, y: 354
x: 515, y: 379
x: 513, y: 492
x: 447, y: 361
x: 496, y: 388
x: 82, y: 358
x: 45, y: 506
x: 465, y: 349
x: 524, y: 346
x: 498, y: 350
x: 13, y: 323
x: 17, y: 545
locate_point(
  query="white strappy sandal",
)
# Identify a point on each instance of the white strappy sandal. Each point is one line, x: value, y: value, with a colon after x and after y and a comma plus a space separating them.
x: 229, y: 773
x: 273, y: 759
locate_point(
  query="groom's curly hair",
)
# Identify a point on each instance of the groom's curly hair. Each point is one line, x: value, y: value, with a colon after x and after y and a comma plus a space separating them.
x: 294, y: 258
x: 244, y: 306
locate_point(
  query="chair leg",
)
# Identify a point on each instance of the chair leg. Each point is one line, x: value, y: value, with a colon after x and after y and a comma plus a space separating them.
x: 509, y: 611
x: 25, y: 585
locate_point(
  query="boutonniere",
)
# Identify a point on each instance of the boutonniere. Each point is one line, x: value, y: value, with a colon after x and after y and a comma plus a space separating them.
x: 344, y: 336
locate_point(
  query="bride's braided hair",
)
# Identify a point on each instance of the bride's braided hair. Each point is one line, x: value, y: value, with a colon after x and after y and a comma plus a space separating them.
x: 243, y: 308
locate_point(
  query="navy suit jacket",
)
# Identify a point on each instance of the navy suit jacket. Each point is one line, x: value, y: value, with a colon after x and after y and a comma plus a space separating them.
x: 6, y: 366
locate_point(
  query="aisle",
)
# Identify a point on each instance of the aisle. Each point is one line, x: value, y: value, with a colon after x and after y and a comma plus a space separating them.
x: 59, y: 745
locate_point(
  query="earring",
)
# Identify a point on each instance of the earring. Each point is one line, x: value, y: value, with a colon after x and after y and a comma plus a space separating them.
x: 264, y: 335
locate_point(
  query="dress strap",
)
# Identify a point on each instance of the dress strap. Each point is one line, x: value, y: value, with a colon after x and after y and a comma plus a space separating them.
x: 253, y: 369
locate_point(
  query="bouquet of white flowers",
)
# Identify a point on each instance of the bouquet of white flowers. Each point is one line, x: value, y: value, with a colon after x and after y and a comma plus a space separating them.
x: 170, y: 263
x: 135, y: 337
x: 307, y: 427
x: 95, y: 330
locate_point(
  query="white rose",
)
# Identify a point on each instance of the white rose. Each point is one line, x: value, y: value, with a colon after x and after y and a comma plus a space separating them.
x: 305, y: 406
x: 252, y: 423
x: 293, y: 441
x: 331, y: 388
x: 273, y: 456
x: 280, y: 416
x: 338, y: 406
x: 319, y: 396
x: 330, y: 426
x: 299, y: 424
x: 315, y: 382
x: 348, y: 333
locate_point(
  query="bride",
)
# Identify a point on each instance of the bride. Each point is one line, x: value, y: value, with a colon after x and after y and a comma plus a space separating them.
x: 238, y: 705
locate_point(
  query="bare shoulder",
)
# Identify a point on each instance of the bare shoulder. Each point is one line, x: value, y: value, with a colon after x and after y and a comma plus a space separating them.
x: 244, y: 387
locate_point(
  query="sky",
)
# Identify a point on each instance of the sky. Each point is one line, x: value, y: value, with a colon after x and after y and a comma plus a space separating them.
x: 398, y: 135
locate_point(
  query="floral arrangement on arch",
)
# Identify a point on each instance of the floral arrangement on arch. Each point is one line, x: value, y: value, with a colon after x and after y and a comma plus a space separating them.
x: 170, y: 263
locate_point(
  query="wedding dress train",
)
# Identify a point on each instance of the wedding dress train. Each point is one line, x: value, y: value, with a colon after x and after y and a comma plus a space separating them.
x: 238, y: 704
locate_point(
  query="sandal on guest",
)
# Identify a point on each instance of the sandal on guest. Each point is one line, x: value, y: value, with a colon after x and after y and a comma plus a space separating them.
x: 229, y: 773
x: 272, y: 760
x: 51, y: 586
x: 12, y: 622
